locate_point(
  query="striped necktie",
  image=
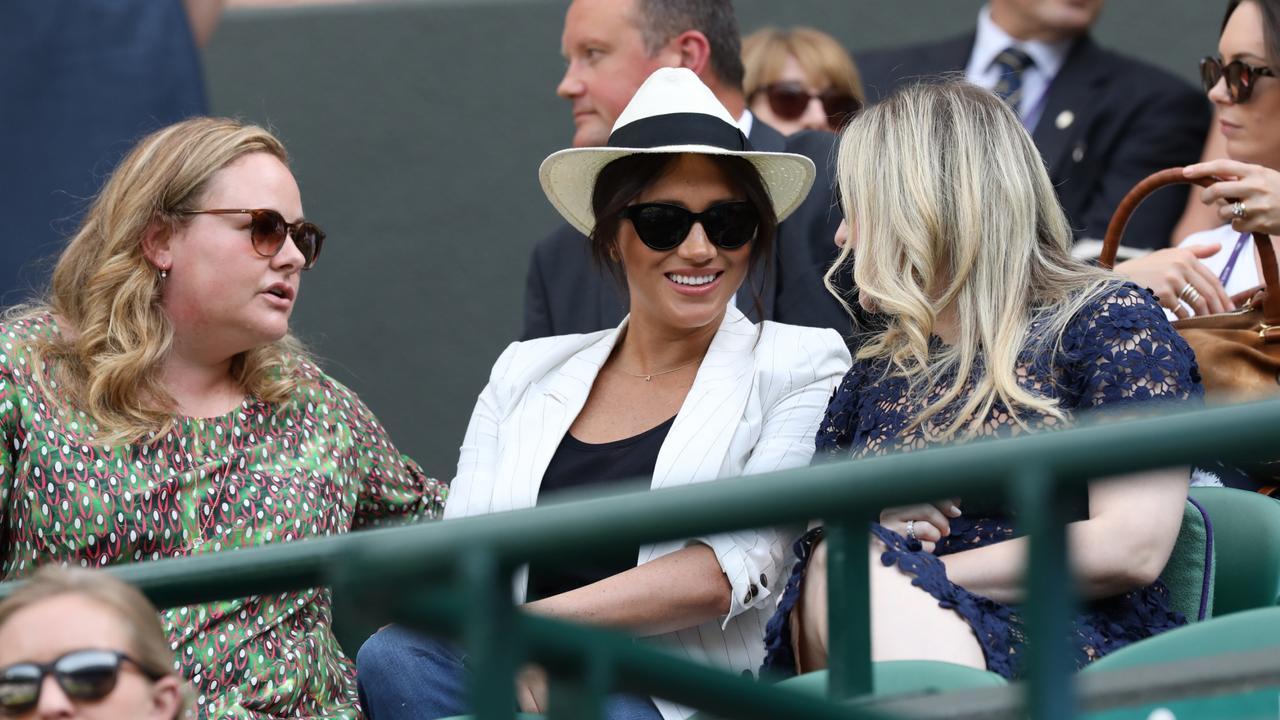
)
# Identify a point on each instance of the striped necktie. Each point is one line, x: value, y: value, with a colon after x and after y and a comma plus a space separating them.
x: 1011, y: 63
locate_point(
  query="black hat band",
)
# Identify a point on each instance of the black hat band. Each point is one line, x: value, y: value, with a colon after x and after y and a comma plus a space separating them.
x: 680, y: 129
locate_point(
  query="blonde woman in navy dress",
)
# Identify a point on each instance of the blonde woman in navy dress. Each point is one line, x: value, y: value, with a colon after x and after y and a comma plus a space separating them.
x: 991, y: 329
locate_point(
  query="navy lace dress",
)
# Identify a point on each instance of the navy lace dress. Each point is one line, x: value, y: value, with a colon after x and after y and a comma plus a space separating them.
x: 1118, y: 351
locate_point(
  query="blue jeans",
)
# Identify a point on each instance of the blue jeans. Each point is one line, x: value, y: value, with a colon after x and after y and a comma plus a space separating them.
x: 401, y: 674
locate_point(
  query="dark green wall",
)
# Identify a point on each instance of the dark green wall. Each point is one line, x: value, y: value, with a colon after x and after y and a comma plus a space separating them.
x: 416, y: 130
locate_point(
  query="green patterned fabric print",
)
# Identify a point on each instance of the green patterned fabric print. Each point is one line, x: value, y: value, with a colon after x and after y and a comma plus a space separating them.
x: 319, y: 465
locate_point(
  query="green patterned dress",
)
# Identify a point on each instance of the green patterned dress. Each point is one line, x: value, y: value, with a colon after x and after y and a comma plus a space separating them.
x: 316, y: 466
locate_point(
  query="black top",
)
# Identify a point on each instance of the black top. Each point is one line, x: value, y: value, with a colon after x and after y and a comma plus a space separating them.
x: 577, y: 466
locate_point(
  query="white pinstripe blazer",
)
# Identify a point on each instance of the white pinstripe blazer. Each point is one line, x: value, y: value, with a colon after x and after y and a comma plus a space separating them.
x: 754, y: 406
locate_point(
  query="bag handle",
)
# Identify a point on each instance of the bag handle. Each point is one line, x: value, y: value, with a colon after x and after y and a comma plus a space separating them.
x: 1174, y: 176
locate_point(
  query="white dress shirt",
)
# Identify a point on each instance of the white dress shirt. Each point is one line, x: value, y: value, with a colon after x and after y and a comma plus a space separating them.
x: 991, y: 40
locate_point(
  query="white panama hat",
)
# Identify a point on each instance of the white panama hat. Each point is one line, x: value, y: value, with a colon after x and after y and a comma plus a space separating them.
x: 672, y: 112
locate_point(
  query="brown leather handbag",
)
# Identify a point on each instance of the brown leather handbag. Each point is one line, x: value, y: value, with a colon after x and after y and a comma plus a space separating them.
x: 1238, y: 352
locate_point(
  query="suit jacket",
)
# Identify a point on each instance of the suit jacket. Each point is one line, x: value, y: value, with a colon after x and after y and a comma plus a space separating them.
x: 80, y: 83
x: 755, y: 406
x: 1108, y: 121
x: 566, y: 292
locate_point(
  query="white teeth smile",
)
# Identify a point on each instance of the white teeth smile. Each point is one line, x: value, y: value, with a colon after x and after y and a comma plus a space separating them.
x: 690, y: 279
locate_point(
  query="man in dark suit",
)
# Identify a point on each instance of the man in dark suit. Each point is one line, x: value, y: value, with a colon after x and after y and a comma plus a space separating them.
x: 1102, y: 121
x: 611, y: 46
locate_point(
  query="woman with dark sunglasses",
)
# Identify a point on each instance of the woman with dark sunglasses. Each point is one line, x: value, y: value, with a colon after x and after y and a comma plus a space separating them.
x: 685, y: 390
x: 81, y: 644
x: 800, y: 79
x: 156, y: 406
x: 1208, y: 269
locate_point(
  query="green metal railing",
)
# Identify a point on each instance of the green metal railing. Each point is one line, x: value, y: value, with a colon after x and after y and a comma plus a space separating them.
x: 453, y: 578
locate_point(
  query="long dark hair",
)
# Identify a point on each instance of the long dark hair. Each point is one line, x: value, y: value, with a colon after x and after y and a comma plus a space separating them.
x: 622, y: 181
x: 1270, y: 24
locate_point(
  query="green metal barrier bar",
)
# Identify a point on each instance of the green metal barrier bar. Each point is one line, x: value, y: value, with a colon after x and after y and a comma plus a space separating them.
x: 845, y: 490
x: 792, y: 496
x: 848, y: 608
x: 636, y: 667
x: 1042, y: 509
x: 488, y: 626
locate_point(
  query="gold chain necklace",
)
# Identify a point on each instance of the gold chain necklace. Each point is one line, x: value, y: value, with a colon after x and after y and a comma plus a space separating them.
x: 648, y: 377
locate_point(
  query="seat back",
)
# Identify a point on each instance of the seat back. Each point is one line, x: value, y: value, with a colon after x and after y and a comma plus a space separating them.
x: 895, y: 677
x: 1246, y: 539
x: 1189, y: 573
x: 1257, y: 629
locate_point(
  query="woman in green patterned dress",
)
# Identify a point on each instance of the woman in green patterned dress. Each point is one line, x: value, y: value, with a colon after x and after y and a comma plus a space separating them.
x: 155, y: 406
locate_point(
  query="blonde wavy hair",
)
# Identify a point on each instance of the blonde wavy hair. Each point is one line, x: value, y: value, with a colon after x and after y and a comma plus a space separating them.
x: 106, y: 295
x: 950, y: 209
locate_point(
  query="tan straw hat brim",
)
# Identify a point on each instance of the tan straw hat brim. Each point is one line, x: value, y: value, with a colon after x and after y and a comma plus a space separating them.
x: 569, y: 177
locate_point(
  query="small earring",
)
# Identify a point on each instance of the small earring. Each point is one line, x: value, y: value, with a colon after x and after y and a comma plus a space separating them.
x: 164, y: 274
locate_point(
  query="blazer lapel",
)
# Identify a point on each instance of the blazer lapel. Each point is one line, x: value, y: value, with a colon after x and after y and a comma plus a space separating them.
x: 550, y: 410
x: 699, y: 438
x: 1069, y: 106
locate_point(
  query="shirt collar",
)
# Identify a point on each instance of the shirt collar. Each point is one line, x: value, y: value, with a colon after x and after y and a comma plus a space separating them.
x: 746, y: 122
x: 991, y: 40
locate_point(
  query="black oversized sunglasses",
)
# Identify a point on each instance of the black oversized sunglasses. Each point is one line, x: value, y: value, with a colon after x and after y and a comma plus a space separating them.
x: 1239, y: 75
x: 82, y: 675
x: 269, y: 230
x: 788, y: 101
x: 663, y: 227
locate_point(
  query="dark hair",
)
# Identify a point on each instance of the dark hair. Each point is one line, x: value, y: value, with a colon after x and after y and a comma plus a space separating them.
x: 622, y: 180
x: 1270, y: 24
x: 661, y: 20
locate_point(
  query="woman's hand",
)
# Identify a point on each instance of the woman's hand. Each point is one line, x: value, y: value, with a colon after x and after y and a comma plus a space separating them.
x: 1253, y: 188
x: 531, y: 689
x: 1168, y: 272
x: 931, y: 521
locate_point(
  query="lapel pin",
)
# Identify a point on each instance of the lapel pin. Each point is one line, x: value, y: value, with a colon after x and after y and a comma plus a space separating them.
x: 1064, y: 119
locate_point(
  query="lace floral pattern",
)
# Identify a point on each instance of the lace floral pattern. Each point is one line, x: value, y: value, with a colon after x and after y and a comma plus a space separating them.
x: 1117, y: 352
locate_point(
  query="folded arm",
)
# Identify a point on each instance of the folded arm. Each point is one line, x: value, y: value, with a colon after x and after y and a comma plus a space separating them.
x: 1123, y: 545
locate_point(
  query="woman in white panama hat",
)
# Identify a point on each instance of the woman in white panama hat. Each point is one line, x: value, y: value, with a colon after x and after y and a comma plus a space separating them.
x: 685, y: 390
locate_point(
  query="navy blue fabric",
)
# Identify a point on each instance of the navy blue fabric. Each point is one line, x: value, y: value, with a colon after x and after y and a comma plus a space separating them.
x: 80, y: 82
x: 1117, y: 353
